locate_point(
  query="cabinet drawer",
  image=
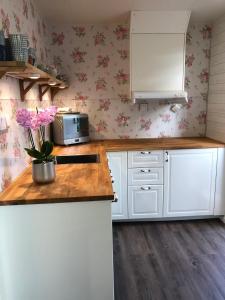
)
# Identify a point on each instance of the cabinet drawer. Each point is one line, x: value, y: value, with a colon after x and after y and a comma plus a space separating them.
x: 145, y: 201
x: 141, y: 176
x: 145, y: 159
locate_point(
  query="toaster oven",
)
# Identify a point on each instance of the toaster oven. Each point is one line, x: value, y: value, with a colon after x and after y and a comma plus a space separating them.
x: 70, y: 128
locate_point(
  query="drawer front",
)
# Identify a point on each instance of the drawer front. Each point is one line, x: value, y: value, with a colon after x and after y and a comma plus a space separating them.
x: 145, y: 176
x: 139, y: 159
x: 145, y: 201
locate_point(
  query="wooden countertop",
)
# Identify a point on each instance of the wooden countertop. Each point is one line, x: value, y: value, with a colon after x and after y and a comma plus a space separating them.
x: 160, y: 144
x: 74, y: 182
x: 88, y: 182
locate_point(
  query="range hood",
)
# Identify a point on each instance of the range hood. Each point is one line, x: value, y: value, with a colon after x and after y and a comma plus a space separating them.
x: 177, y: 97
x: 157, y: 60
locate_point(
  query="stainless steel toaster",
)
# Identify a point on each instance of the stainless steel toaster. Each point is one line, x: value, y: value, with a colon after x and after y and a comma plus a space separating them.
x: 70, y: 128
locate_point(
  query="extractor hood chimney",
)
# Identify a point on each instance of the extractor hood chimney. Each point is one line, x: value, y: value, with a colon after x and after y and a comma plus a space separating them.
x: 158, y: 42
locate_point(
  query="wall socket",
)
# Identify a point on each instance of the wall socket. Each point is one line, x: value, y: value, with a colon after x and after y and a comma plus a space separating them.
x: 175, y: 107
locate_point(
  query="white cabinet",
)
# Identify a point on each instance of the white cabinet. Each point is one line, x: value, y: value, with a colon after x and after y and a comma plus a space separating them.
x: 145, y: 201
x: 157, y: 50
x: 189, y: 182
x: 118, y: 167
x: 176, y: 183
x: 219, y: 208
x: 157, y: 62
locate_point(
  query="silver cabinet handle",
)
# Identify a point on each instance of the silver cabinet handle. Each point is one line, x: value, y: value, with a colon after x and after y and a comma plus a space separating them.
x: 145, y: 188
x: 145, y: 171
x: 166, y: 156
x: 145, y: 152
x: 115, y: 198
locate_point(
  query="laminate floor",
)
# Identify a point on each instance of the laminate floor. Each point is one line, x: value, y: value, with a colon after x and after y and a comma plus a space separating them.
x: 169, y: 260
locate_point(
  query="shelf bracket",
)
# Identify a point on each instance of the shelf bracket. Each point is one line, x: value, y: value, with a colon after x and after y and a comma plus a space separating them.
x: 43, y: 88
x: 25, y: 90
x: 2, y: 74
x: 54, y: 91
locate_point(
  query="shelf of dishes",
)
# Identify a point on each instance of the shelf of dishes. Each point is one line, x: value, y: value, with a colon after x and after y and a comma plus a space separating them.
x: 26, y: 72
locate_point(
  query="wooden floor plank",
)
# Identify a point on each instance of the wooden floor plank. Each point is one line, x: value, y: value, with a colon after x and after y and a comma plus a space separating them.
x: 182, y: 260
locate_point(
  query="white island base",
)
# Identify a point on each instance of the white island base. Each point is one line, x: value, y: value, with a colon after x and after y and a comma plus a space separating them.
x: 56, y: 251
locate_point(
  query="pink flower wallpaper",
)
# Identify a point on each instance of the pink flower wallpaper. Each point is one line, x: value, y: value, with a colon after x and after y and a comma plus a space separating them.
x: 18, y: 16
x: 96, y: 59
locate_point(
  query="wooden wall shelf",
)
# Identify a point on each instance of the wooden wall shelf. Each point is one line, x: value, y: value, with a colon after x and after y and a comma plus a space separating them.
x: 23, y: 71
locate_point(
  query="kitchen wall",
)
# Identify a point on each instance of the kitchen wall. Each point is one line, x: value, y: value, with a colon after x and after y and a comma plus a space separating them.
x: 216, y: 99
x: 18, y: 16
x: 96, y: 58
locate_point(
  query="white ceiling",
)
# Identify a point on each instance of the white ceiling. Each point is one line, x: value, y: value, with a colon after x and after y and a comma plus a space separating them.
x: 100, y: 11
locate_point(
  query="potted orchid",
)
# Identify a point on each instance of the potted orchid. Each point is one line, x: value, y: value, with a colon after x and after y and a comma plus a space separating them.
x: 43, y: 164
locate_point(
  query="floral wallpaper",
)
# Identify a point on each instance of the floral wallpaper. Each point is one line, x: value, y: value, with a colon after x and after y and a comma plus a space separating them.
x: 96, y: 59
x: 18, y: 16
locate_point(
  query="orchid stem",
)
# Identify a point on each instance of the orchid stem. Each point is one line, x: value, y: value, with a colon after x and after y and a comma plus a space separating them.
x: 31, y: 138
x: 42, y: 133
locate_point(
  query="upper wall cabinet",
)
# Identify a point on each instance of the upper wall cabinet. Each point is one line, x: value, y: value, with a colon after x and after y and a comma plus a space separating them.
x: 158, y: 51
x: 154, y: 60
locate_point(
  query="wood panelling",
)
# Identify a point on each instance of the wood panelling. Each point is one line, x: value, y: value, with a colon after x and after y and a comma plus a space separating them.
x: 217, y: 69
x: 216, y: 99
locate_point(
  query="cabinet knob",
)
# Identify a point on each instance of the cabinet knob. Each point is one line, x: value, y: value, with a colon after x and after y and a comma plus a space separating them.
x: 145, y: 188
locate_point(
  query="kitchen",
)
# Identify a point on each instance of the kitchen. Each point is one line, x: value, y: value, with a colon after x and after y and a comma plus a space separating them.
x: 156, y: 128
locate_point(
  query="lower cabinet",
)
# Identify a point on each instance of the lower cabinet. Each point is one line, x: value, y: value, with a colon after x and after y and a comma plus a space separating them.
x: 145, y: 201
x: 189, y: 182
x: 118, y: 167
x: 186, y: 183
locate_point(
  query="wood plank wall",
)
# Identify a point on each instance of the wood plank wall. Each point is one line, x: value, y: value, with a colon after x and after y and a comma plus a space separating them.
x: 216, y: 97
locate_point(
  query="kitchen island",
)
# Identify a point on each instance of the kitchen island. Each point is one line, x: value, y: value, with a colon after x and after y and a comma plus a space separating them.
x: 56, y: 239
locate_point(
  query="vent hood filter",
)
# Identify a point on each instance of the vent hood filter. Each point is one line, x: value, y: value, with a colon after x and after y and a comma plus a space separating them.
x: 171, y: 97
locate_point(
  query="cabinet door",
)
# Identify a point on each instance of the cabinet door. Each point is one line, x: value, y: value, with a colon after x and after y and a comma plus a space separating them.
x: 189, y: 182
x: 219, y: 209
x: 145, y: 201
x: 154, y: 57
x: 118, y: 167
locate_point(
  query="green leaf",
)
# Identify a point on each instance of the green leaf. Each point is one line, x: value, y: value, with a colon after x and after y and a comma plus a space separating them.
x: 47, y: 148
x: 34, y: 153
x: 50, y: 158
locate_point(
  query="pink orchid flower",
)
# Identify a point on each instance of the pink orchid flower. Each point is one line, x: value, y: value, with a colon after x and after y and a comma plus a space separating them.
x: 32, y: 120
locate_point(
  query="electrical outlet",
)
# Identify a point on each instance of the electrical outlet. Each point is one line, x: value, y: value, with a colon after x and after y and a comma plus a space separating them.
x: 175, y: 107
